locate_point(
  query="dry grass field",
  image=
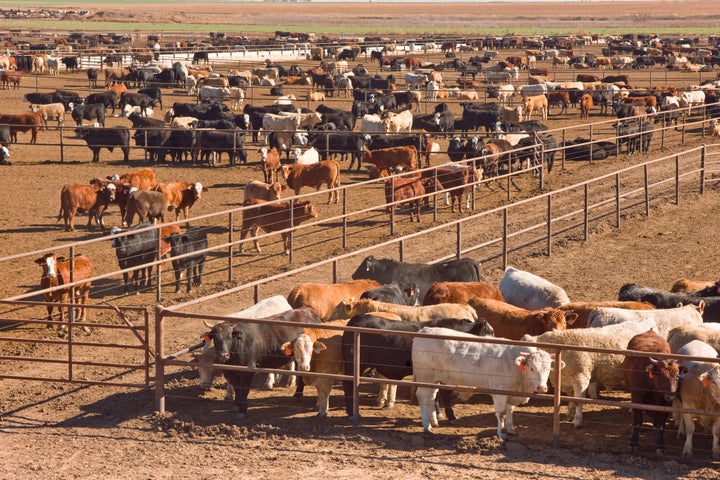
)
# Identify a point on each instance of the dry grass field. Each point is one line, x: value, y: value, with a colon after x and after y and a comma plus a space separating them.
x: 59, y: 431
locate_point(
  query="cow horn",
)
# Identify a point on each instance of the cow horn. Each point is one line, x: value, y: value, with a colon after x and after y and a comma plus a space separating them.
x: 208, y: 324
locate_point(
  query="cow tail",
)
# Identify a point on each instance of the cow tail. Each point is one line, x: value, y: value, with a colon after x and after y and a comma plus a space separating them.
x: 477, y: 270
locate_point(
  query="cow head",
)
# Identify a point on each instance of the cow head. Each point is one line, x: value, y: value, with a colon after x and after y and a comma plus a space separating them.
x: 48, y: 263
x: 663, y: 376
x: 221, y: 335
x: 197, y: 190
x: 711, y: 382
x: 302, y: 350
x: 535, y: 368
x: 365, y: 269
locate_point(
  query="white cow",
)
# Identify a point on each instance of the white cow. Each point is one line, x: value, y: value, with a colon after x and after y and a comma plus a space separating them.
x: 699, y: 390
x: 695, y: 98
x: 308, y: 157
x: 455, y: 362
x: 414, y: 80
x: 371, y: 122
x: 665, y: 319
x: 216, y: 94
x: 582, y: 366
x: 191, y: 85
x: 264, y: 308
x: 237, y: 96
x: 432, y: 89
x: 526, y: 290
x: 398, y: 122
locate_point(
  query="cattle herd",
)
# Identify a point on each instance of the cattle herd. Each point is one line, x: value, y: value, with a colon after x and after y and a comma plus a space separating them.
x: 472, y: 139
x: 451, y: 300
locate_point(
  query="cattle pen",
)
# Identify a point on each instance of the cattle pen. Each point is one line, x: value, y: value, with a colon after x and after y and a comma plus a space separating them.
x: 528, y: 225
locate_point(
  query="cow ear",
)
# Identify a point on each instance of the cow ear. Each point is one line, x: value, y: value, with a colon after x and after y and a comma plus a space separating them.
x: 319, y: 347
x: 521, y: 362
x: 649, y: 370
x: 705, y: 379
x: 570, y: 318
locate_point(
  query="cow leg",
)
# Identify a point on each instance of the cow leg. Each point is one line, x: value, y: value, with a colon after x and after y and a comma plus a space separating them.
x: 659, y: 420
x: 241, y: 386
x: 300, y: 388
x: 580, y: 389
x: 96, y: 155
x: 446, y: 396
x: 324, y: 386
x: 635, y: 436
x: 501, y: 413
x: 178, y: 278
x: 716, y: 439
x: 689, y: 431
x: 426, y: 400
x: 197, y: 278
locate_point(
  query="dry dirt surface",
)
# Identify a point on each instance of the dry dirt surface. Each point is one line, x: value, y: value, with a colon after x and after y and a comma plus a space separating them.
x: 59, y: 431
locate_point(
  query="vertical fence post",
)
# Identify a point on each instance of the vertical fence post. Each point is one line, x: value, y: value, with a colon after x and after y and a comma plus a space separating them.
x: 345, y: 218
x: 556, y: 400
x: 617, y: 200
x: 158, y: 270
x: 586, y: 213
x: 677, y: 179
x: 702, y: 169
x: 505, y: 238
x: 62, y: 145
x: 356, y: 375
x: 160, y: 360
x: 646, y: 186
x: 230, y: 247
x: 71, y: 314
x: 401, y: 250
x: 458, y: 240
x: 549, y: 225
x: 291, y: 233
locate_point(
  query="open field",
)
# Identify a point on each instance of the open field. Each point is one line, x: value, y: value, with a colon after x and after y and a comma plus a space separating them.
x: 57, y: 431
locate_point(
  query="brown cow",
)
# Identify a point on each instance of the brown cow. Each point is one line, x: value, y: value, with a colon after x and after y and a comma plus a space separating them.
x: 262, y: 190
x: 513, y: 322
x: 57, y: 271
x: 143, y: 179
x: 148, y: 205
x: 583, y: 309
x: 388, y: 160
x: 685, y: 285
x: 536, y: 103
x: 22, y: 122
x: 461, y: 292
x: 405, y: 191
x: 271, y: 163
x: 325, y: 171
x: 272, y: 217
x: 181, y: 196
x: 559, y: 97
x: 93, y: 198
x: 586, y: 103
x: 587, y: 78
x: 652, y: 382
x: 455, y: 180
x: 649, y: 101
x: 324, y: 298
x: 115, y: 75
x: 10, y: 79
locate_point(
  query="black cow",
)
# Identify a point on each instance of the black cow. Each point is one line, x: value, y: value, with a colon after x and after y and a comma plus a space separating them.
x: 394, y: 293
x: 139, y: 121
x: 166, y: 78
x: 216, y: 124
x: 135, y: 250
x: 664, y: 299
x: 136, y: 100
x: 109, y: 99
x: 193, y: 240
x: 416, y: 140
x: 89, y: 111
x: 72, y: 64
x: 361, y: 108
x: 629, y: 133
x: 338, y: 143
x: 38, y: 98
x: 385, y: 102
x: 99, y: 138
x: 531, y: 150
x: 180, y: 143
x: 202, y: 111
x: 342, y: 120
x: 391, y: 355
x: 92, y: 76
x: 474, y: 118
x: 347, y: 54
x: 456, y: 149
x: 581, y: 149
x: 445, y: 121
x: 385, y: 270
x: 200, y: 57
x: 209, y: 142
x: 277, y: 90
x: 153, y: 92
x: 153, y: 141
x: 256, y: 345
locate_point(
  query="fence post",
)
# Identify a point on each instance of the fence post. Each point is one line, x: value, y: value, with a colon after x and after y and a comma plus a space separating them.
x: 556, y: 400
x: 62, y: 145
x: 617, y: 200
x: 158, y: 295
x: 160, y: 360
x: 586, y: 212
x: 230, y: 248
x: 677, y: 179
x: 702, y: 169
x: 345, y: 217
x: 458, y: 240
x: 549, y: 225
x: 505, y: 238
x: 291, y: 233
x: 646, y: 186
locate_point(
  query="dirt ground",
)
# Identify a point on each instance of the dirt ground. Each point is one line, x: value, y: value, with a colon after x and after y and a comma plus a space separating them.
x: 59, y: 431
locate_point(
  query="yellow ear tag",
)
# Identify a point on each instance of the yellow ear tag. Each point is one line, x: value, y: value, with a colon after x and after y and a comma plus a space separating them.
x: 706, y: 382
x: 288, y: 352
x: 522, y: 367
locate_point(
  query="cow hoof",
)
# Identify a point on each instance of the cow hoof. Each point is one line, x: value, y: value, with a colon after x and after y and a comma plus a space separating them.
x: 240, y: 416
x: 660, y: 452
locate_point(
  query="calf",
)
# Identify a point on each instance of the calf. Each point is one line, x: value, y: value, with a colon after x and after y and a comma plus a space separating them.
x: 148, y: 205
x: 50, y: 111
x: 272, y: 217
x: 404, y: 158
x: 22, y: 122
x: 88, y: 111
x: 263, y: 191
x: 93, y: 198
x: 181, y: 244
x: 57, y: 271
x: 314, y: 175
x: 400, y: 191
x: 526, y: 290
x: 651, y: 382
x: 181, y: 196
x: 270, y: 160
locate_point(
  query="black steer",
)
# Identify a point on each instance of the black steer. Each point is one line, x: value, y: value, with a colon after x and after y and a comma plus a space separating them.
x: 193, y: 240
x: 99, y: 138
